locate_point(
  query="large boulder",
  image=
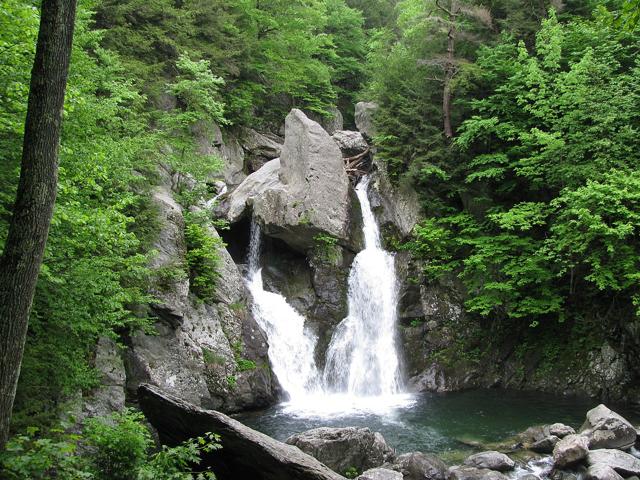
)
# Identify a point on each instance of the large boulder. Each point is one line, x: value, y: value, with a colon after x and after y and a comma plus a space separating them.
x: 256, y: 184
x: 492, y: 460
x: 344, y: 448
x: 380, y: 474
x: 570, y: 450
x: 623, y: 463
x: 545, y: 445
x: 600, y: 471
x: 419, y: 466
x: 606, y: 429
x: 364, y: 118
x: 351, y: 143
x: 245, y: 453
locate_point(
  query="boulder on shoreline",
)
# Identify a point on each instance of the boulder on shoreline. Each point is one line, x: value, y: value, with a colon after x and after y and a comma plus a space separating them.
x: 343, y: 448
x: 491, y: 460
x: 606, y: 429
x: 570, y: 450
x: 419, y: 466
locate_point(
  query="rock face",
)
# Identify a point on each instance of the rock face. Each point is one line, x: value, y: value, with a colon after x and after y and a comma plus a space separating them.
x: 255, y: 185
x: 419, y: 466
x: 198, y: 345
x: 109, y: 397
x: 606, y: 429
x: 623, y: 463
x: 312, y: 194
x: 570, y: 450
x: 344, y: 448
x: 259, y: 148
x: 364, y: 117
x: 491, y: 460
x: 245, y: 453
x: 350, y: 143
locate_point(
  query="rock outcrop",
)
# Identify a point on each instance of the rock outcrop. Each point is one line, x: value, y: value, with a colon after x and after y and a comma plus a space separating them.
x: 245, y: 453
x: 312, y: 195
x: 259, y: 148
x: 109, y: 396
x: 198, y: 345
x: 344, y: 448
x: 606, y: 429
x: 364, y: 117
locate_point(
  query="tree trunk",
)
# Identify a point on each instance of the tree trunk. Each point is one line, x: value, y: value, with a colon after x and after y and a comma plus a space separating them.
x: 449, y: 73
x: 29, y: 227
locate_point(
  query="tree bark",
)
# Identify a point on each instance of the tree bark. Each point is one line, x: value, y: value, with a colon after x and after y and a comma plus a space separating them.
x: 33, y: 209
x: 449, y: 73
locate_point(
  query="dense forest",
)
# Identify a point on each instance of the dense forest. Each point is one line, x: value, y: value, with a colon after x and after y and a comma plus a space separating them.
x: 515, y: 121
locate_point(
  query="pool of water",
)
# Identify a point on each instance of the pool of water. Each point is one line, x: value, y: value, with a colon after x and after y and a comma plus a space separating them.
x: 438, y: 423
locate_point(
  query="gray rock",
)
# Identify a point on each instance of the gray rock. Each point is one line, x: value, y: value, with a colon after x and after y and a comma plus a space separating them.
x: 609, y: 373
x: 331, y: 123
x: 343, y: 448
x: 364, y: 118
x: 492, y: 460
x: 560, y: 430
x: 109, y: 397
x: 473, y: 473
x: 211, y: 140
x: 245, y: 453
x: 419, y: 466
x: 259, y: 148
x: 256, y: 184
x: 529, y: 476
x: 621, y: 462
x: 606, y: 429
x: 570, y: 450
x: 350, y: 143
x: 600, y: 471
x: 380, y: 474
x: 315, y: 193
x: 545, y: 445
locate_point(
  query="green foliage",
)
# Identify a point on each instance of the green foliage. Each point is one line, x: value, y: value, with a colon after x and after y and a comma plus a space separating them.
x: 117, y: 447
x: 351, y: 472
x: 327, y: 248
x: 203, y: 258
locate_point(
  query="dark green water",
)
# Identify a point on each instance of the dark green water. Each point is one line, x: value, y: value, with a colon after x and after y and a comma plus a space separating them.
x: 444, y: 422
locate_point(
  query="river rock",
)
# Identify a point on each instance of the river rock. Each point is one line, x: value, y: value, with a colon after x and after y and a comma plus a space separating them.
x: 245, y: 453
x: 545, y: 445
x: 364, y: 118
x: 570, y: 450
x: 601, y: 471
x: 621, y: 462
x: 559, y: 430
x: 492, y: 460
x: 473, y: 473
x: 419, y: 466
x: 380, y: 474
x: 344, y: 448
x: 606, y: 429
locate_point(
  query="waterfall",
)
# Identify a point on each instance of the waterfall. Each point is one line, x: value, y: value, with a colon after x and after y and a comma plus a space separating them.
x: 291, y: 346
x: 362, y: 359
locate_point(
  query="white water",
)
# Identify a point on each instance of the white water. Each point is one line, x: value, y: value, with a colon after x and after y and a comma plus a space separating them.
x: 362, y: 373
x: 291, y: 346
x: 362, y: 359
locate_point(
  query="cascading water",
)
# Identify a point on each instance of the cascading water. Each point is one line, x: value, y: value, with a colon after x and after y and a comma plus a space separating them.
x: 362, y: 359
x: 291, y: 346
x: 362, y: 370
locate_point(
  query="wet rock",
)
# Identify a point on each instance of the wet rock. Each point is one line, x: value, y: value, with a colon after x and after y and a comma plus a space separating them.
x: 472, y: 473
x: 245, y: 453
x: 570, y: 450
x: 344, y: 448
x: 350, y: 143
x: 545, y: 445
x: 364, y: 118
x: 419, y: 466
x: 600, y: 471
x: 621, y: 462
x: 492, y: 460
x: 380, y: 474
x: 606, y: 429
